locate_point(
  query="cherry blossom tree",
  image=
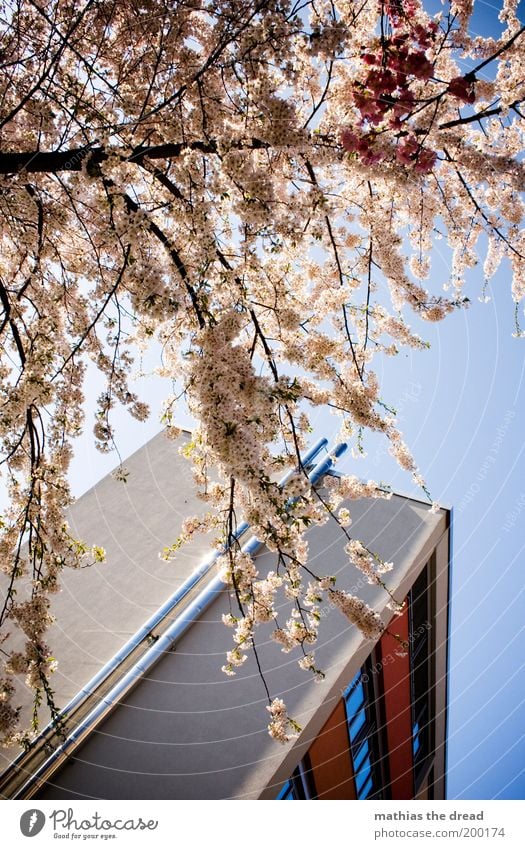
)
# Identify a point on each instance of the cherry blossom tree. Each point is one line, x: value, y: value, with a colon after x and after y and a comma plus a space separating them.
x: 256, y: 185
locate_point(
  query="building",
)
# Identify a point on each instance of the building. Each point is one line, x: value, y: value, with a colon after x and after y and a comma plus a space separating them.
x: 149, y: 714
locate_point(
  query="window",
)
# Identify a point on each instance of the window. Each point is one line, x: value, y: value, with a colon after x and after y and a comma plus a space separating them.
x: 300, y: 785
x: 362, y: 730
x: 287, y: 791
x: 420, y: 656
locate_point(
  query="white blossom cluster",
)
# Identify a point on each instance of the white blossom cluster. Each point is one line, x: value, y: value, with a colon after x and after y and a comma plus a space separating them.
x: 281, y: 727
x: 358, y: 612
x: 366, y: 562
x: 259, y: 188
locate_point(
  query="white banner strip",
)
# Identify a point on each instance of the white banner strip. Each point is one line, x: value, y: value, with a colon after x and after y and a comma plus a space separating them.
x: 223, y: 825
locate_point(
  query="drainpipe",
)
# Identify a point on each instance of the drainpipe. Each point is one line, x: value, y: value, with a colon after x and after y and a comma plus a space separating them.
x: 166, y: 641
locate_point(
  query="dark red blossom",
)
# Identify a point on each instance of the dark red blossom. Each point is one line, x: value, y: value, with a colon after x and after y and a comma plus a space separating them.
x: 383, y: 97
x: 418, y: 65
x: 463, y: 88
x: 410, y: 152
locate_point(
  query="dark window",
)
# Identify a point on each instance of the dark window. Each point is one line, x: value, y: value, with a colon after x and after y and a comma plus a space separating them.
x: 420, y: 654
x: 362, y: 730
x: 300, y: 785
x: 287, y: 791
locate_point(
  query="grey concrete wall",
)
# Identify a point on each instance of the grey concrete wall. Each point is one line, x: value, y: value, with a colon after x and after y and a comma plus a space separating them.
x: 100, y: 607
x: 188, y: 732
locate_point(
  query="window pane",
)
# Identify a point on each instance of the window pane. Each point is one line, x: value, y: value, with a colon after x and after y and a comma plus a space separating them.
x: 367, y: 789
x: 420, y: 647
x: 287, y: 791
x: 360, y: 713
x: 354, y: 699
x: 352, y: 683
x: 357, y: 722
x: 361, y: 755
x: 364, y: 774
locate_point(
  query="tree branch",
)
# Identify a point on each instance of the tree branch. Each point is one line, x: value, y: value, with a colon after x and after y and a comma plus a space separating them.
x: 49, y: 162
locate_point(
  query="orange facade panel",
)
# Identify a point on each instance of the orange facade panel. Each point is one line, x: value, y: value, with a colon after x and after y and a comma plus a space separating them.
x: 330, y: 758
x: 398, y: 709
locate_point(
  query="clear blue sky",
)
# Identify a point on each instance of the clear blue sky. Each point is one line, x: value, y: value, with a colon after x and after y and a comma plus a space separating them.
x: 463, y: 414
x: 461, y: 407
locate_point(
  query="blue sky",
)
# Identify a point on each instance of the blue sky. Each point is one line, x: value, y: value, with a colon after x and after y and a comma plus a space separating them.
x: 464, y: 415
